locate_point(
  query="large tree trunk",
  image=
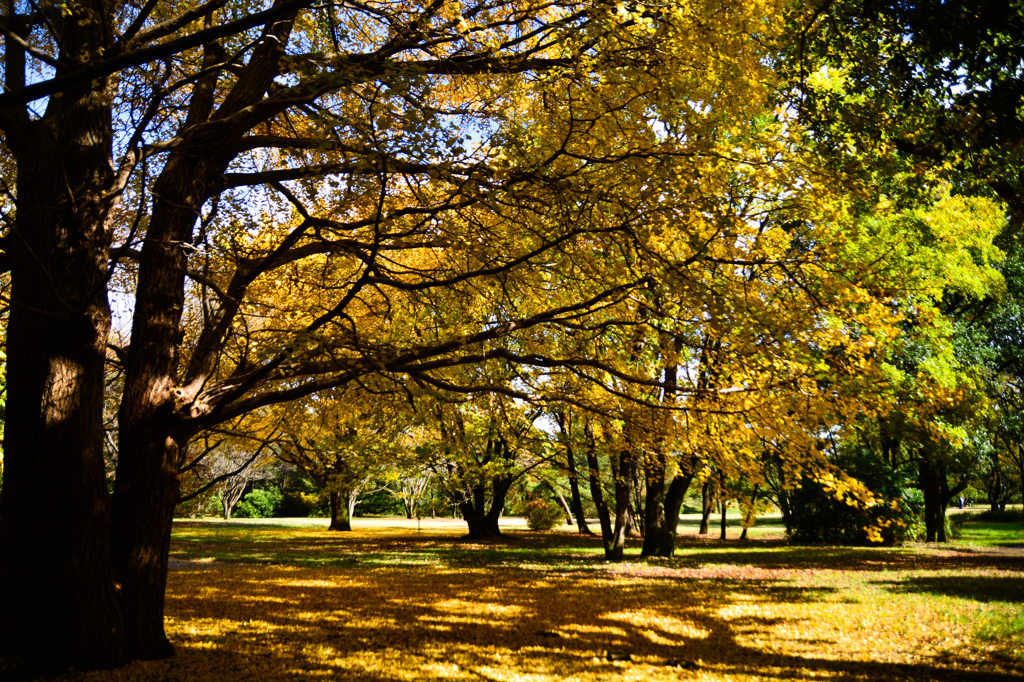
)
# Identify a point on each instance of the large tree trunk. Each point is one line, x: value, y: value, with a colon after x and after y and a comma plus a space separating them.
x: 663, y: 522
x: 499, y: 491
x: 146, y: 486
x: 341, y: 512
x: 474, y: 512
x: 673, y: 503
x: 151, y: 437
x: 58, y: 599
x: 655, y: 523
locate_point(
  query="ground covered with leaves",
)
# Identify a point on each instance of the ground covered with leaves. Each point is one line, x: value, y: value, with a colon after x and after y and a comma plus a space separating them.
x: 388, y: 602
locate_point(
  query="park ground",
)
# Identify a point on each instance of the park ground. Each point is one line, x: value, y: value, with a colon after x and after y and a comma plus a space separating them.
x: 282, y: 599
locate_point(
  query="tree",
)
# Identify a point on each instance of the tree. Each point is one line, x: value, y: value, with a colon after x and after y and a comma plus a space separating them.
x: 345, y: 441
x: 920, y: 86
x: 237, y: 469
x: 301, y: 197
x: 410, y: 489
x: 483, y: 447
x: 156, y: 119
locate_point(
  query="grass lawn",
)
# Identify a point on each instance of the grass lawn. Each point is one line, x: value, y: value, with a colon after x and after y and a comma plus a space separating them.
x: 289, y: 600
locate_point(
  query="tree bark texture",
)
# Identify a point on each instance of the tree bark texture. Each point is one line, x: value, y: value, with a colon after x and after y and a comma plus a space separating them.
x: 662, y: 511
x: 58, y: 599
x: 343, y: 506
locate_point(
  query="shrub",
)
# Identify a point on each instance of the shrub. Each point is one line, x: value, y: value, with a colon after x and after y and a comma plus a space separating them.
x: 817, y: 516
x: 259, y: 504
x: 297, y: 504
x: 540, y: 515
x: 379, y: 503
x: 954, y: 528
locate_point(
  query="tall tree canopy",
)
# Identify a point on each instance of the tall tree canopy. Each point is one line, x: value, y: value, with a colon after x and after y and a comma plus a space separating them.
x: 385, y: 152
x: 294, y: 197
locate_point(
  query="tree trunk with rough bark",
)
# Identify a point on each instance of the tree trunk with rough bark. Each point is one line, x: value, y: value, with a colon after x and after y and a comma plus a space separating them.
x: 58, y: 596
x: 341, y: 511
x: 663, y: 523
x: 150, y: 451
x: 655, y: 522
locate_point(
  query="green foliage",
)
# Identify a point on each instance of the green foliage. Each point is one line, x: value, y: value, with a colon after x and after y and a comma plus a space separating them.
x: 818, y: 516
x: 297, y: 504
x: 260, y: 504
x: 543, y: 515
x: 379, y: 503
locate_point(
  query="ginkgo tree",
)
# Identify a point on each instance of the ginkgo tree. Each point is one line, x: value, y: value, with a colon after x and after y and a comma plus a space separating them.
x: 174, y: 127
x: 436, y: 185
x: 347, y: 441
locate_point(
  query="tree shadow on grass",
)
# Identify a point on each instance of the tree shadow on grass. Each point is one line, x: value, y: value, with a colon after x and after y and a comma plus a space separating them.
x: 558, y: 551
x: 983, y: 589
x: 277, y: 622
x: 780, y: 556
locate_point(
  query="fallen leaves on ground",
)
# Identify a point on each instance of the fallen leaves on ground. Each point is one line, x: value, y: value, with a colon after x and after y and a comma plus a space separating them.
x: 707, y: 615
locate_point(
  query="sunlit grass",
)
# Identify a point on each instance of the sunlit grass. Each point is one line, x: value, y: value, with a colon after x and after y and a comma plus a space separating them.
x: 988, y: 534
x: 385, y: 602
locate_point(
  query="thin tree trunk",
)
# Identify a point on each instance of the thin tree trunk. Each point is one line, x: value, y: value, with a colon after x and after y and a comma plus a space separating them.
x: 565, y: 508
x: 927, y: 479
x: 570, y: 466
x: 706, y: 505
x: 594, y: 479
x: 724, y: 507
x: 577, y: 498
x: 748, y: 521
x: 623, y: 497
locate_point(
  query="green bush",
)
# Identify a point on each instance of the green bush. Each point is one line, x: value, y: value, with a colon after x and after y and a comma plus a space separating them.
x: 817, y: 516
x: 379, y: 503
x: 954, y: 528
x: 297, y: 504
x: 259, y: 504
x: 542, y: 515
